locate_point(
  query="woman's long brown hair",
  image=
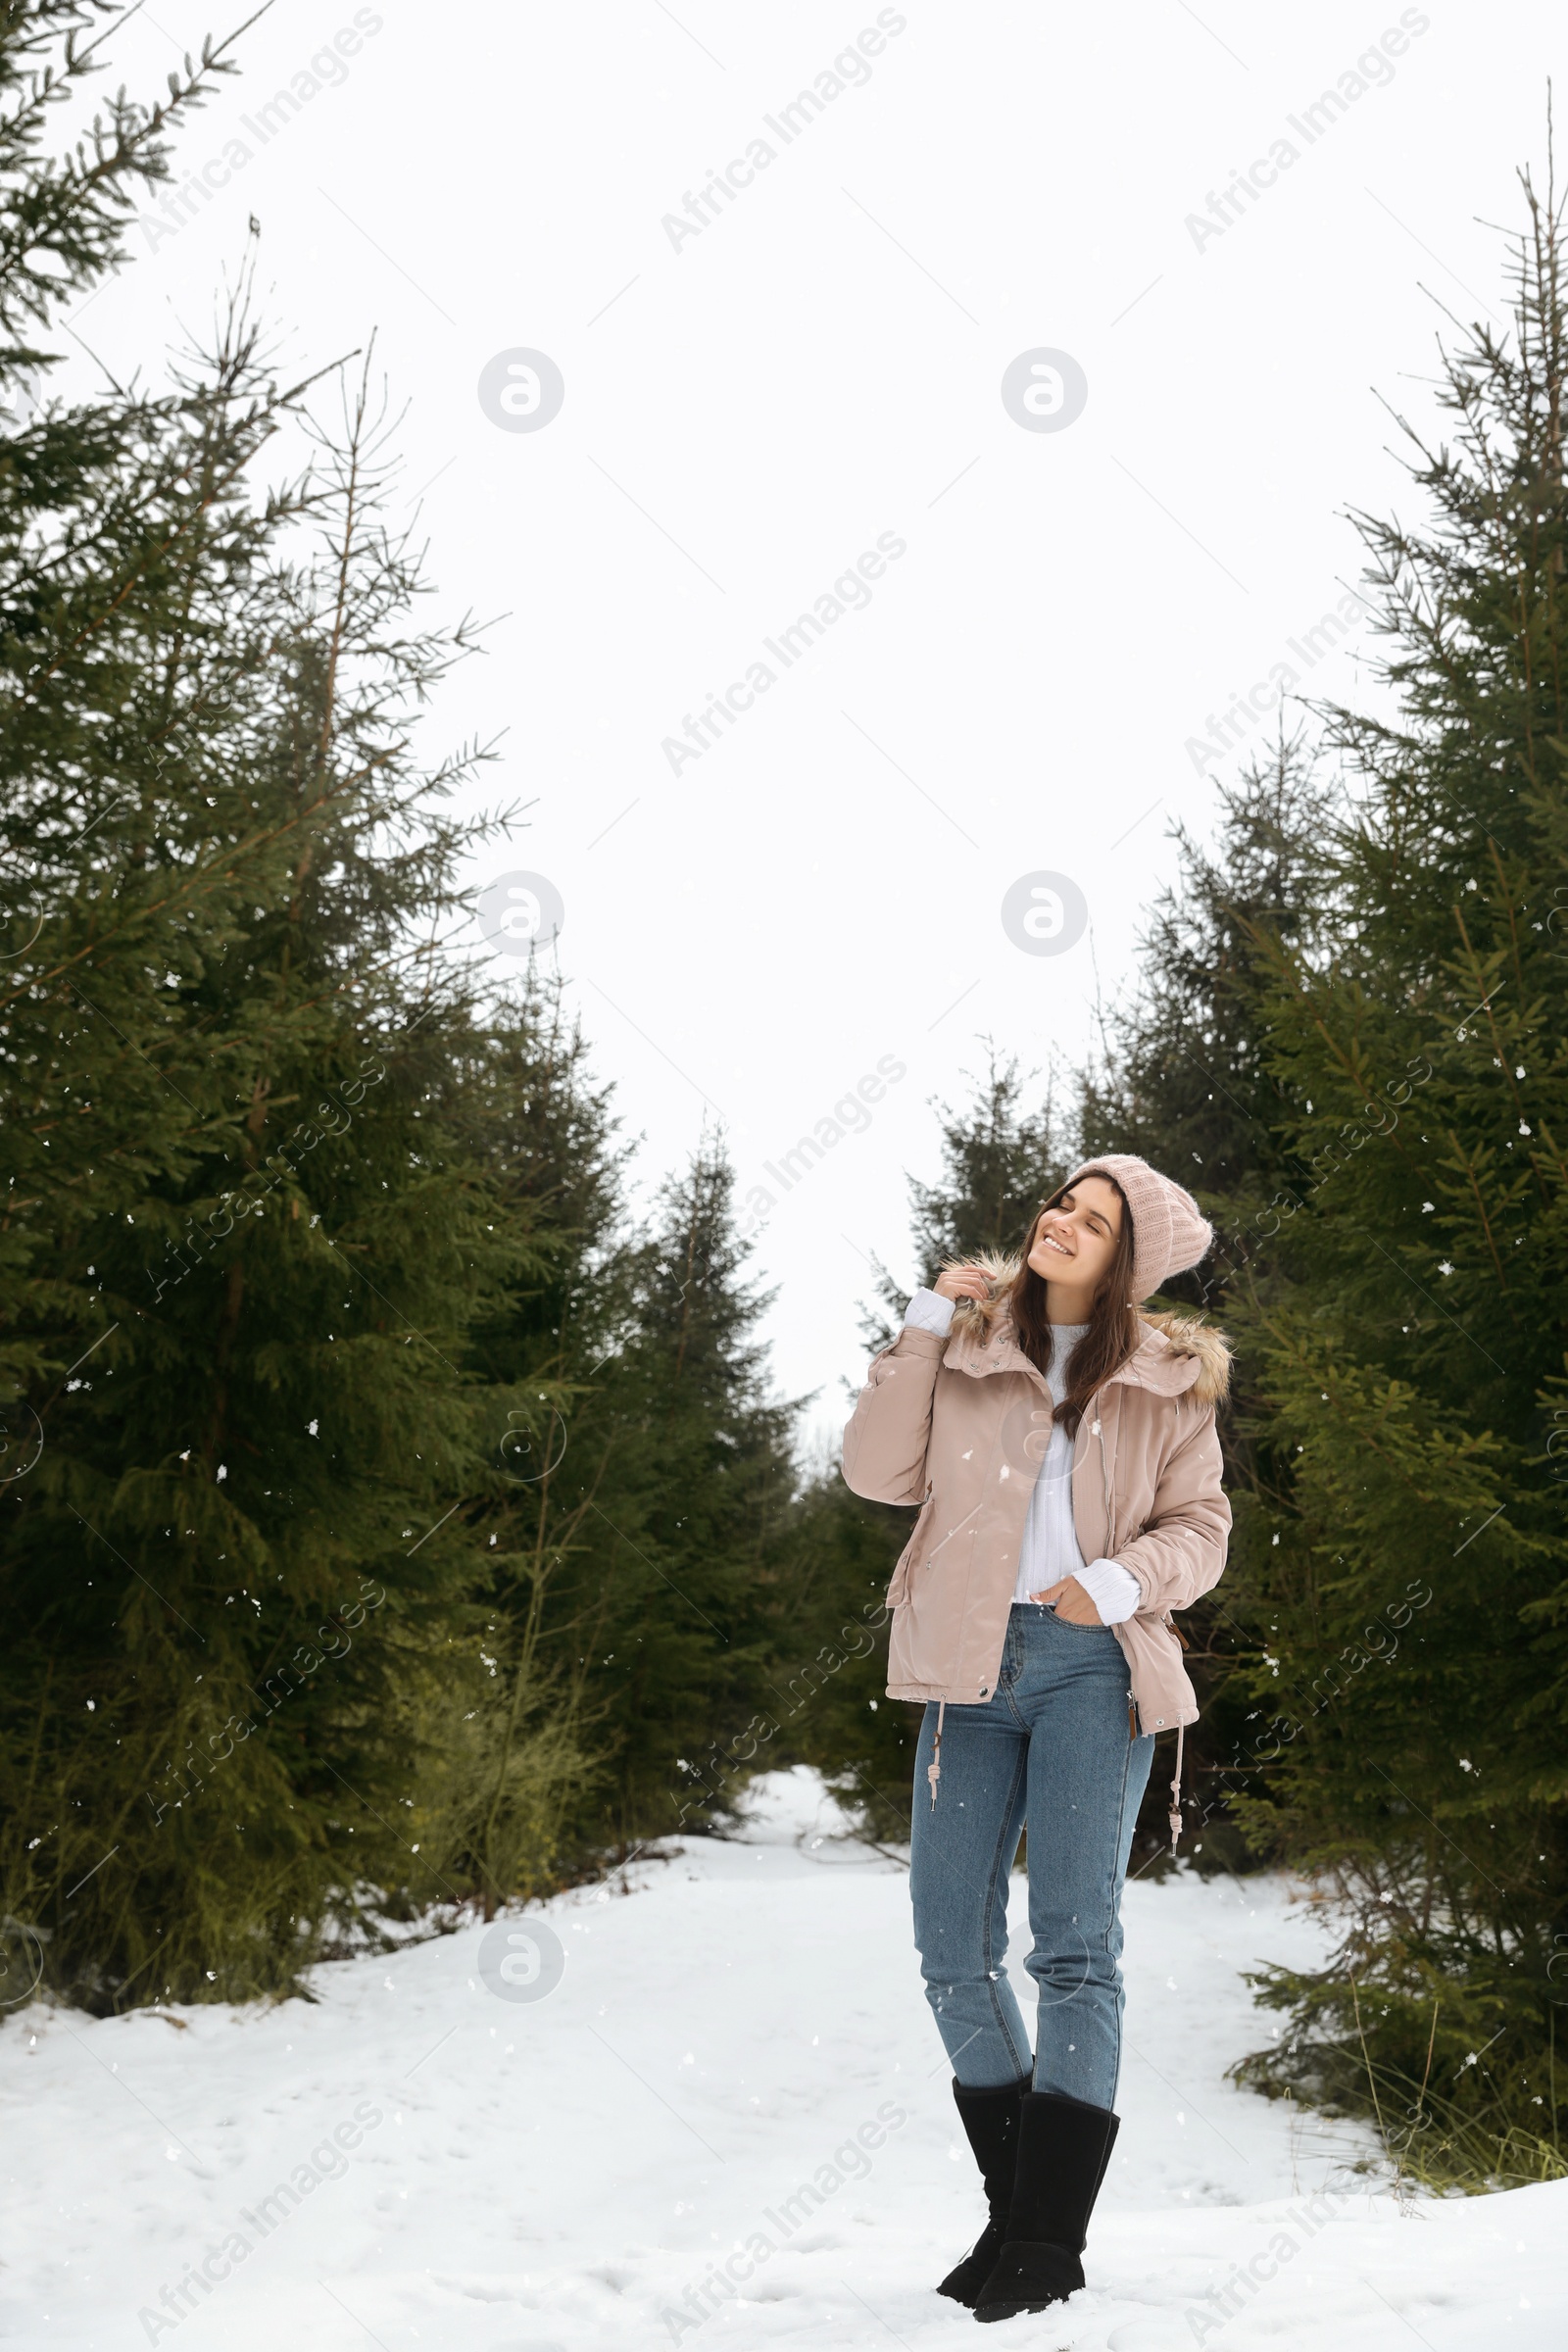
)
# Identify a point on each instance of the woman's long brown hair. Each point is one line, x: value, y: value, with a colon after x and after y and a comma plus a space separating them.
x: 1113, y: 1332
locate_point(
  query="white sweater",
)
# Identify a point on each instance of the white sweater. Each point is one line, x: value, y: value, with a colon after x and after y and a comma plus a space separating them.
x: 1050, y: 1549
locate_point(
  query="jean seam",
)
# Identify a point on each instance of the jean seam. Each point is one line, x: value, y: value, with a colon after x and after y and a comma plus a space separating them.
x: 998, y: 1862
x: 1112, y: 1911
x: 1015, y: 1666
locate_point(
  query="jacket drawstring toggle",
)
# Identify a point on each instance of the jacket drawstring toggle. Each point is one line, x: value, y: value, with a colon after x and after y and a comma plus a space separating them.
x: 933, y: 1771
x: 1176, y: 1792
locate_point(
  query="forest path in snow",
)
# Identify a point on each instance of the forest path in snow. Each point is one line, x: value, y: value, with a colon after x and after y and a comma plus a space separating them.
x: 736, y: 2066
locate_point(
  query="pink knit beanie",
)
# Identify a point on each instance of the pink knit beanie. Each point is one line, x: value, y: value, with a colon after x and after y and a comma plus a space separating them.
x: 1171, y: 1232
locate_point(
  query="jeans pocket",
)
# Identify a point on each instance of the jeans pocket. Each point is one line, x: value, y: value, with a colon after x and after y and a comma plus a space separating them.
x: 1068, y: 1626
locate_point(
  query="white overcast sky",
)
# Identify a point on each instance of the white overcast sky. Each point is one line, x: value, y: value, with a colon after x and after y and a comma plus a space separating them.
x: 748, y: 409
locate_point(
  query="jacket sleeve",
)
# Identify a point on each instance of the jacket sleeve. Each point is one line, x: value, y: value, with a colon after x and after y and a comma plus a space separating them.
x: 890, y: 1429
x: 1181, y: 1551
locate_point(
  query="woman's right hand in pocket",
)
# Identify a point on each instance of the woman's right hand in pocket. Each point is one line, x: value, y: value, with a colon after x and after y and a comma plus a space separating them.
x: 963, y: 1282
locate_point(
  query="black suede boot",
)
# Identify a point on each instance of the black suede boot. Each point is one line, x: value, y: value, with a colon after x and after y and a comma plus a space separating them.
x: 1063, y: 2149
x: 990, y: 2120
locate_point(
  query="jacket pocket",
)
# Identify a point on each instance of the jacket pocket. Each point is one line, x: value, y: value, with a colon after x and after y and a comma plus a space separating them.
x: 899, y: 1590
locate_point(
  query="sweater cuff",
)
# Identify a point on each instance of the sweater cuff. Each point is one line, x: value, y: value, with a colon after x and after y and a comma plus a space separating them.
x: 926, y: 1312
x: 1114, y: 1591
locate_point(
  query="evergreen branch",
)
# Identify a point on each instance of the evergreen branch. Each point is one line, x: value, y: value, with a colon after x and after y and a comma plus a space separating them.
x: 1491, y: 1019
x: 56, y: 211
x: 1485, y: 1223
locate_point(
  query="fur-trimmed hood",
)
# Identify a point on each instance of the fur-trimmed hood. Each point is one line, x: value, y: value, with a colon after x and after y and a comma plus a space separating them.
x: 1171, y: 1342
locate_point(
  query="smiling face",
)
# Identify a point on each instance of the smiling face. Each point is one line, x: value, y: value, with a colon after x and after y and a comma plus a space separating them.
x: 1075, y: 1239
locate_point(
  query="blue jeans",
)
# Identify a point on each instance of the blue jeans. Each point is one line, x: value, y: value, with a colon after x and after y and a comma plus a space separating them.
x: 1052, y: 1747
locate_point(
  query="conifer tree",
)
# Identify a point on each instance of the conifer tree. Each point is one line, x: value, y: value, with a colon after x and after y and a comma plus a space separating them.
x: 516, y: 1805
x: 1401, y: 1563
x: 240, y: 1260
x: 639, y: 1482
x: 385, y: 1515
x: 1183, y: 1075
x: 704, y: 1490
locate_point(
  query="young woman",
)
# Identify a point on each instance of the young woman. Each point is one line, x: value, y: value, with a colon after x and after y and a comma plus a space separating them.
x: 1062, y: 1447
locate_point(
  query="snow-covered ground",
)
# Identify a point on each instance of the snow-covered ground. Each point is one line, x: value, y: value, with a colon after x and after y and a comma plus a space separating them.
x: 452, y: 2148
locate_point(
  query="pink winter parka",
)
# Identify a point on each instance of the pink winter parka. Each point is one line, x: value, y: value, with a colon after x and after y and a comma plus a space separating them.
x: 960, y: 1426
